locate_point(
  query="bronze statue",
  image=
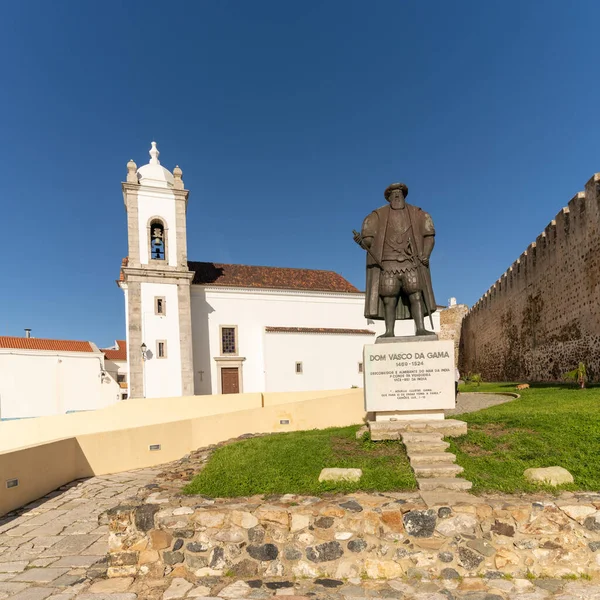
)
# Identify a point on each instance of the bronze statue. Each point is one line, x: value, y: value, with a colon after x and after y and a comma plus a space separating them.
x: 398, y: 238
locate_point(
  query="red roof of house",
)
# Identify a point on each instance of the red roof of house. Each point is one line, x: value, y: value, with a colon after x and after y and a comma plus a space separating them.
x: 119, y: 354
x: 282, y: 278
x: 319, y: 330
x: 22, y: 343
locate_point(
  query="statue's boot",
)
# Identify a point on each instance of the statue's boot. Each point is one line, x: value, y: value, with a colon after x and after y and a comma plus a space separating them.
x: 416, y: 308
x: 389, y: 308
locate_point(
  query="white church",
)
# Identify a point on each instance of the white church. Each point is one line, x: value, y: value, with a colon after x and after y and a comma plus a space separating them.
x: 204, y: 328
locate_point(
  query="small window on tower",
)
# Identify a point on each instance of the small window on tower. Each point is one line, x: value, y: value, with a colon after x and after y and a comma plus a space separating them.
x: 360, y: 367
x: 160, y: 306
x: 298, y: 368
x: 157, y: 240
x: 161, y: 349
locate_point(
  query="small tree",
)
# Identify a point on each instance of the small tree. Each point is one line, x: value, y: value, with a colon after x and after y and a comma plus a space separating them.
x: 476, y: 379
x: 473, y: 378
x: 577, y: 376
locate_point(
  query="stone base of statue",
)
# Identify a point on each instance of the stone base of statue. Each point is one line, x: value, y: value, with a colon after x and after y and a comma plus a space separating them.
x: 409, y: 378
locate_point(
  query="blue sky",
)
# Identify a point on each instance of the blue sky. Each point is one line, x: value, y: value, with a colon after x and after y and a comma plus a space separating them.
x: 288, y: 120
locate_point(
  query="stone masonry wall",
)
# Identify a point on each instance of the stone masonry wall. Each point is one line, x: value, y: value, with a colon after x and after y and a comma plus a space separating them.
x: 542, y: 317
x: 376, y: 536
x: 451, y: 319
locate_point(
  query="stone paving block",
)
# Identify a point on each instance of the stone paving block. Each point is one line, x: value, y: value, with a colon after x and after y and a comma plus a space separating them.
x: 33, y: 593
x: 77, y: 561
x: 42, y: 562
x: 98, y: 548
x: 15, y: 542
x: 12, y: 587
x: 125, y: 596
x: 44, y: 575
x: 107, y: 586
x: 49, y: 529
x: 81, y: 527
x: 45, y: 541
x: 44, y: 518
x: 19, y: 531
x: 68, y: 580
x: 13, y: 567
x: 70, y: 545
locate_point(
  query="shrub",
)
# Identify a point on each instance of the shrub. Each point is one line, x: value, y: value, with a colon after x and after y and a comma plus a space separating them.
x: 577, y: 376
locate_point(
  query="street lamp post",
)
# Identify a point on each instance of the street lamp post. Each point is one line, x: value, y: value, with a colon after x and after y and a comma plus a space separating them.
x: 144, y: 349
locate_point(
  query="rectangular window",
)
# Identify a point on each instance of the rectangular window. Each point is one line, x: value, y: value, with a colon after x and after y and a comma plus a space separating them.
x: 228, y: 340
x: 121, y: 377
x: 298, y: 368
x: 160, y: 306
x: 360, y: 367
x: 161, y: 349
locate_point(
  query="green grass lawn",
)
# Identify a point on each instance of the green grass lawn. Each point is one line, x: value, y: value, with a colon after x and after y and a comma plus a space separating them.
x: 290, y: 463
x: 549, y: 425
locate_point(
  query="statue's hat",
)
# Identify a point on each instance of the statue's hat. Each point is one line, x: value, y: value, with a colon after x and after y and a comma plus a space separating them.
x: 395, y: 186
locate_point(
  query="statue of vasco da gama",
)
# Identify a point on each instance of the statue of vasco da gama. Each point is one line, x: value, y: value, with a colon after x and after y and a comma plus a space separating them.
x: 399, y: 239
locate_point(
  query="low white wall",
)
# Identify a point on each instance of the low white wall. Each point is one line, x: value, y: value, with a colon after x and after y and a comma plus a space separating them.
x: 43, y: 467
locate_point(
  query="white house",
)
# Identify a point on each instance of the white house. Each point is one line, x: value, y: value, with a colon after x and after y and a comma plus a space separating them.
x: 206, y: 328
x: 115, y: 363
x: 40, y: 377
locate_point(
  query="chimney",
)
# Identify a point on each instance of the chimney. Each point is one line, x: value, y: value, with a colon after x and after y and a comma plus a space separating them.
x: 27, y: 333
x: 451, y: 302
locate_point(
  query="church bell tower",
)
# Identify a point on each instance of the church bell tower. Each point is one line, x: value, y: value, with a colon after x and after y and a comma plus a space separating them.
x: 156, y: 281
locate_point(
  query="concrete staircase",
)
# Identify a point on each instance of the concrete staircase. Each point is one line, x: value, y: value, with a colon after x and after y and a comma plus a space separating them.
x: 433, y: 466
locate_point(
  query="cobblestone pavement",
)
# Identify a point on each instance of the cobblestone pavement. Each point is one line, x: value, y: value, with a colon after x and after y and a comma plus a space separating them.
x: 56, y: 548
x: 470, y: 402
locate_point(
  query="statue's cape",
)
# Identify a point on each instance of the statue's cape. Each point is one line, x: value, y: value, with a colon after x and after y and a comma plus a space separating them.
x: 375, y: 225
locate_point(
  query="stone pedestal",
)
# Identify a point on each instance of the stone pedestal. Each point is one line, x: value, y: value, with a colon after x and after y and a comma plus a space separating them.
x: 409, y: 378
x: 409, y: 382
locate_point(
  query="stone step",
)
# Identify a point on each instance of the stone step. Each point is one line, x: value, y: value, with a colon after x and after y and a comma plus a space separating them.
x: 446, y: 427
x: 431, y: 458
x: 410, y: 438
x: 436, y: 470
x: 436, y: 484
x: 421, y: 447
x: 380, y: 435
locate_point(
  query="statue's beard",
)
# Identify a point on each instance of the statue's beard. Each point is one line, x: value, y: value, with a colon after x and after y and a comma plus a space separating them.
x: 397, y: 203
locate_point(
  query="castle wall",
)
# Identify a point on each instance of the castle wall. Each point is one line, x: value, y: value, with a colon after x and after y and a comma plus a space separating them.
x: 451, y: 319
x: 542, y: 317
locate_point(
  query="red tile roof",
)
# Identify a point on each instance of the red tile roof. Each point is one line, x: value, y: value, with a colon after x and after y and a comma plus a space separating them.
x: 278, y: 278
x: 282, y: 278
x: 21, y: 343
x: 319, y: 330
x: 119, y: 354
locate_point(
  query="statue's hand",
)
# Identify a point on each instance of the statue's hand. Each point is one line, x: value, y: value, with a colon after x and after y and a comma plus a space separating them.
x: 424, y: 260
x: 359, y: 239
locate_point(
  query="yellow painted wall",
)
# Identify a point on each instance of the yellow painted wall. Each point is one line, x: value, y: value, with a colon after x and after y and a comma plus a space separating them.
x: 120, y: 439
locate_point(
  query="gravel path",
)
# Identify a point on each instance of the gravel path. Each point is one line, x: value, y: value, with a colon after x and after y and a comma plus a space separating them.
x: 472, y: 402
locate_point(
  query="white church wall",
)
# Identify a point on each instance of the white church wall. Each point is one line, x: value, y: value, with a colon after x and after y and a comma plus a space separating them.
x: 61, y: 382
x: 253, y: 310
x: 157, y: 204
x: 162, y: 376
x: 328, y: 361
x: 126, y: 299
